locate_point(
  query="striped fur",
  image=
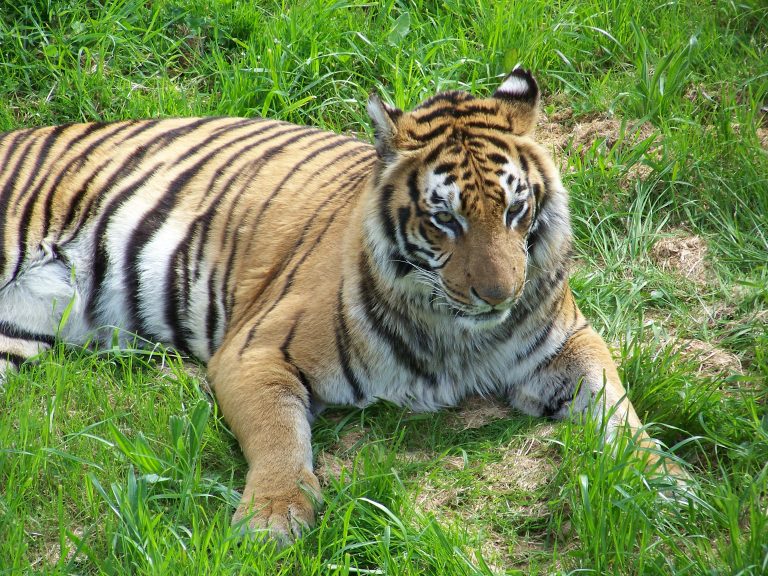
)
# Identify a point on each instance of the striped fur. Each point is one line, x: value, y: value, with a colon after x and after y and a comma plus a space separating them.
x: 308, y: 268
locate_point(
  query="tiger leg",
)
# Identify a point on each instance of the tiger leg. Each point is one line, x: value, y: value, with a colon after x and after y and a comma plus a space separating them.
x: 32, y: 306
x: 582, y: 380
x: 267, y: 408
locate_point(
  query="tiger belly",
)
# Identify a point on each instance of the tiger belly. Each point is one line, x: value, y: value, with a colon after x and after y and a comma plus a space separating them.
x: 52, y: 297
x: 32, y: 308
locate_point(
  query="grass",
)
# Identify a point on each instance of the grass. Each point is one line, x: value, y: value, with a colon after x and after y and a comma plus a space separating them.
x: 118, y: 462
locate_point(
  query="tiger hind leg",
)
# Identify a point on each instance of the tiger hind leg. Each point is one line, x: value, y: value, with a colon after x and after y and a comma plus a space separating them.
x: 41, y: 303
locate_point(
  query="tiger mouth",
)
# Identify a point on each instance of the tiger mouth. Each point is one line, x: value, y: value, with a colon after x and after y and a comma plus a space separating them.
x: 492, y: 315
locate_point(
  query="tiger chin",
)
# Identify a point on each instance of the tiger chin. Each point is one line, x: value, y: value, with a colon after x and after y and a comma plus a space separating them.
x: 310, y: 268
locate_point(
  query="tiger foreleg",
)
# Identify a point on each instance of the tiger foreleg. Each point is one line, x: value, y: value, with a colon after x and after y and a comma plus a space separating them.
x: 582, y: 381
x: 267, y: 408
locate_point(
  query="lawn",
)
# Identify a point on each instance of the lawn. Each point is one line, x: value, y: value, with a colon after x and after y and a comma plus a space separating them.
x: 117, y: 461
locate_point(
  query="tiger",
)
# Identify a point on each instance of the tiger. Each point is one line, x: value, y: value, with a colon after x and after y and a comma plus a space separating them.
x: 307, y: 268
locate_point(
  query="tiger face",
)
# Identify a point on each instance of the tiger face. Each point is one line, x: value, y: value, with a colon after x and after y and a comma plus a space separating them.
x: 459, y: 189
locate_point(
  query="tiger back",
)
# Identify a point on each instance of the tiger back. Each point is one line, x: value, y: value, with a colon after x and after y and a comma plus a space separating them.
x: 308, y: 268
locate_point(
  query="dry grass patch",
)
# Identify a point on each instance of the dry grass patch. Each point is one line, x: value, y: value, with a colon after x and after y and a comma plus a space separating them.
x: 712, y: 361
x: 762, y: 136
x: 477, y: 411
x: 684, y: 255
x: 561, y: 133
x: 49, y: 552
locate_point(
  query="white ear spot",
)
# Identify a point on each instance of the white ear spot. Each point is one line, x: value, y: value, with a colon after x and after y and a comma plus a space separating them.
x: 515, y: 86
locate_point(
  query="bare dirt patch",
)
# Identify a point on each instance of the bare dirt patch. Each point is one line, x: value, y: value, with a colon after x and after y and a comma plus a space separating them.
x: 50, y: 553
x: 684, y: 255
x: 329, y: 467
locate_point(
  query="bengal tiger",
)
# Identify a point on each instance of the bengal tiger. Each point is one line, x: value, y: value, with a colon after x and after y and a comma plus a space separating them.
x: 309, y: 268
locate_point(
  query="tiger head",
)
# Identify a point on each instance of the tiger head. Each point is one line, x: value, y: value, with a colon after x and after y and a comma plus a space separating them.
x: 465, y: 198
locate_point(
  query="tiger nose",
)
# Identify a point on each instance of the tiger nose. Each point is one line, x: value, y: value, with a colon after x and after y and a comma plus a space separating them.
x: 492, y: 295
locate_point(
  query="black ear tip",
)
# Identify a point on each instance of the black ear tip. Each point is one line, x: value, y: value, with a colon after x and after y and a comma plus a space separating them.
x: 521, y: 72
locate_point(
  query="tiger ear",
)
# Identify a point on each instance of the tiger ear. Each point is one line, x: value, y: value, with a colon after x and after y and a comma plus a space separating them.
x: 385, y: 120
x: 520, y: 95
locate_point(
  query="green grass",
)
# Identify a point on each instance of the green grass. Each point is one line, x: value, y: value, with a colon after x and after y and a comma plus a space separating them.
x: 118, y: 462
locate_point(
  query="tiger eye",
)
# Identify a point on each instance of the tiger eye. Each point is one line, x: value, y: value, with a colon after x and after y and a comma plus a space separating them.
x: 445, y: 217
x: 513, y: 210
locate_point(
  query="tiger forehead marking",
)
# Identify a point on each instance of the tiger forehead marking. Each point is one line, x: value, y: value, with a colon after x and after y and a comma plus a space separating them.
x: 502, y: 183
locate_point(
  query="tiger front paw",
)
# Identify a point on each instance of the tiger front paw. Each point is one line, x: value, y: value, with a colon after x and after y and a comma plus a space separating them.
x: 279, y: 515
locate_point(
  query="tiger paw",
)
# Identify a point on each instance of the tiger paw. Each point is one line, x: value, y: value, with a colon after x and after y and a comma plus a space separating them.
x: 673, y: 482
x: 281, y: 517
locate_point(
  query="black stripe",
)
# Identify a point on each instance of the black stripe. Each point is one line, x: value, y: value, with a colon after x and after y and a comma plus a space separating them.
x: 5, y: 201
x: 243, y: 189
x: 542, y: 194
x: 413, y: 188
x: 15, y: 359
x: 454, y: 112
x: 434, y: 153
x: 480, y: 141
x: 411, y: 249
x: 497, y: 158
x: 285, y: 349
x: 75, y: 203
x: 262, y: 161
x: 536, y: 293
x: 381, y: 316
x: 10, y: 147
x: 155, y: 218
x: 343, y: 347
x: 143, y: 233
x: 559, y: 397
x: 360, y: 168
x: 484, y: 125
x: 40, y: 158
x: 431, y: 135
x: 63, y: 171
x: 543, y: 335
x: 571, y: 333
x: 443, y: 168
x: 523, y: 161
x: 212, y: 317
x: 453, y: 96
x: 299, y: 164
x: 385, y: 200
x: 351, y: 185
x: 401, y: 265
x: 537, y: 342
x: 132, y: 162
x: 32, y: 196
x: 12, y: 331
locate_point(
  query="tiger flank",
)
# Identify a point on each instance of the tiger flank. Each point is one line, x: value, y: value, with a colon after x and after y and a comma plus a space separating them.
x: 308, y: 268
